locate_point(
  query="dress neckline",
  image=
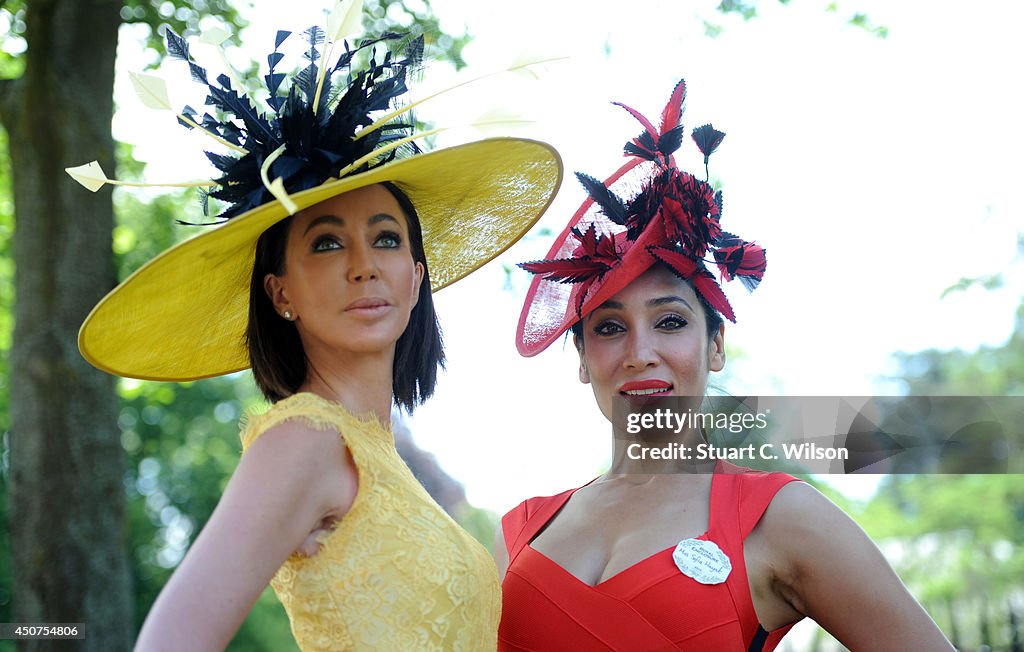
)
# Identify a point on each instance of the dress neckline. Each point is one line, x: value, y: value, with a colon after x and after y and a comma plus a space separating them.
x: 706, y: 535
x: 365, y: 418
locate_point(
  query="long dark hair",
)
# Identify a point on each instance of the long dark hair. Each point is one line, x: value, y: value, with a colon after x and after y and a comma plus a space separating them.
x: 278, y: 360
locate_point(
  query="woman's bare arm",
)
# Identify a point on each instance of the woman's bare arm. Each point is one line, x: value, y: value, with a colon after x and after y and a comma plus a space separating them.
x: 288, y: 481
x: 831, y: 571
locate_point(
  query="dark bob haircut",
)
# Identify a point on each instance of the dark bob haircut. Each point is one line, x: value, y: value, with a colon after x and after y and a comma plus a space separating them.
x: 279, y: 363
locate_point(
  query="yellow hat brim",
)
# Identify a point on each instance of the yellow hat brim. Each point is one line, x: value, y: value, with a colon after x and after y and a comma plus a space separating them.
x: 183, y: 315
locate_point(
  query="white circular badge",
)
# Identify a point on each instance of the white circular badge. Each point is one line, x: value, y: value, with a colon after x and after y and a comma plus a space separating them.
x: 702, y: 560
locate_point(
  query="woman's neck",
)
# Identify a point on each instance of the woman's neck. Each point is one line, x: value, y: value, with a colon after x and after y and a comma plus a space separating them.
x: 363, y: 383
x: 657, y: 453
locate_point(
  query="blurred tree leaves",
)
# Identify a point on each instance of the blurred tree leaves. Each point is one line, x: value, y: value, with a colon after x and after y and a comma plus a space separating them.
x: 958, y: 540
x: 747, y: 10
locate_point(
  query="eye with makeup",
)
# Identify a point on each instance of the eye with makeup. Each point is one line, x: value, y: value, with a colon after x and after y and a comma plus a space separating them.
x: 388, y: 240
x: 671, y: 323
x: 326, y: 242
x: 607, y: 328
x: 384, y: 240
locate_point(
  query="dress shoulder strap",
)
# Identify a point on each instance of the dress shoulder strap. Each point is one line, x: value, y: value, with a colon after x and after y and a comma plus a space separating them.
x: 755, y: 492
x: 308, y: 408
x: 742, y: 497
x: 522, y: 523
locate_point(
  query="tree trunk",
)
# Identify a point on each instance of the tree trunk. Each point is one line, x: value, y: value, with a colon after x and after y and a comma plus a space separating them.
x: 67, y: 517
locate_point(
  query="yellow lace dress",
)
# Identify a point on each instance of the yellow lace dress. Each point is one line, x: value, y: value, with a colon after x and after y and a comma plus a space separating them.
x: 396, y: 573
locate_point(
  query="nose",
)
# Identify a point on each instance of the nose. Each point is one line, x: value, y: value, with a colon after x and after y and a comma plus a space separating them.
x: 362, y: 264
x: 640, y: 351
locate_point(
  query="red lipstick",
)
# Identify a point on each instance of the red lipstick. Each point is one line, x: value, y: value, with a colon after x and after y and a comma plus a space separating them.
x: 647, y: 387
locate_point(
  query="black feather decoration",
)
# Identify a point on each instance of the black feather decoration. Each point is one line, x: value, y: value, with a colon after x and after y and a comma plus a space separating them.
x: 749, y: 282
x: 646, y: 141
x: 210, y: 123
x: 227, y: 100
x: 633, y: 149
x: 319, y: 144
x: 306, y: 81
x: 231, y: 132
x: 190, y: 113
x: 345, y: 60
x: 177, y: 47
x: 670, y: 141
x: 315, y: 36
x: 220, y: 161
x: 198, y: 73
x: 274, y: 79
x: 613, y: 207
x: 708, y: 139
x: 414, y: 55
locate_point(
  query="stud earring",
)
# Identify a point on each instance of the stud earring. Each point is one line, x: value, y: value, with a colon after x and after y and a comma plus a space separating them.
x: 287, y: 315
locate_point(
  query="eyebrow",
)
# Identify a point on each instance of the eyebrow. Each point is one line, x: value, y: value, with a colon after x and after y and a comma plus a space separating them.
x: 653, y: 303
x: 660, y: 301
x: 337, y: 221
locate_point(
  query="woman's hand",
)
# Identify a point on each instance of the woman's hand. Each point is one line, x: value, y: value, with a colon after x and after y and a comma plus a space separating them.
x: 286, y: 484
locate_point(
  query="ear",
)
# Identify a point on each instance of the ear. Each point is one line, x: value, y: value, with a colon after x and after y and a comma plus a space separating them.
x: 716, y: 350
x: 274, y: 287
x: 416, y: 282
x: 584, y: 372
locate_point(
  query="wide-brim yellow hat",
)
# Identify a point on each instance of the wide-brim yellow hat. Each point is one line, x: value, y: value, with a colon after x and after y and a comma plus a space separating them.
x: 183, y: 315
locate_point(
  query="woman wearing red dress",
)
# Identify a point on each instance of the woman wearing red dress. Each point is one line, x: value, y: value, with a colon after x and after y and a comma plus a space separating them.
x: 652, y: 555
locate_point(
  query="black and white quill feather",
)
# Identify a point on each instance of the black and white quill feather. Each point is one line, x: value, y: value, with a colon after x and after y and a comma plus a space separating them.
x: 316, y: 143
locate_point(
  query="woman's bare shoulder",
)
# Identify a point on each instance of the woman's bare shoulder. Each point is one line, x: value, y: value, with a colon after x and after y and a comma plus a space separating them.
x: 796, y: 502
x: 825, y: 566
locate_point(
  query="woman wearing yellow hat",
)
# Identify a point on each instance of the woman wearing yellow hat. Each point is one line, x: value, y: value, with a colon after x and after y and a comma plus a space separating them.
x: 320, y: 279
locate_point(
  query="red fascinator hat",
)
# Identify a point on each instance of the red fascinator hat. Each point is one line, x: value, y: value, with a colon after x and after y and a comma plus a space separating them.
x: 675, y: 219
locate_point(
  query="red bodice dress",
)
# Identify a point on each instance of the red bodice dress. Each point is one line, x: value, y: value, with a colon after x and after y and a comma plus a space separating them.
x: 649, y: 606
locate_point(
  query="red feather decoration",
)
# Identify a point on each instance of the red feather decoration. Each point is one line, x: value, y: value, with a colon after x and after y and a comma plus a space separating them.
x: 689, y: 208
x: 680, y: 263
x: 566, y: 270
x: 705, y: 285
x: 675, y: 218
x: 644, y: 121
x: 594, y: 256
x: 673, y: 111
x: 703, y: 282
x: 747, y: 260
